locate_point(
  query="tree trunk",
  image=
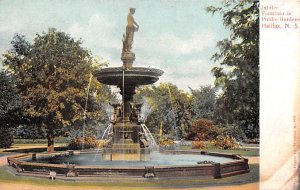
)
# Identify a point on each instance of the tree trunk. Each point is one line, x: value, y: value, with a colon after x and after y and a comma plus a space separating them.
x: 50, y: 138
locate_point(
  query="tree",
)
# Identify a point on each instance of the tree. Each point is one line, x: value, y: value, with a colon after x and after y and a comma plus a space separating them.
x: 10, y: 109
x: 170, y: 109
x: 203, y: 102
x: 53, y: 75
x: 237, y: 72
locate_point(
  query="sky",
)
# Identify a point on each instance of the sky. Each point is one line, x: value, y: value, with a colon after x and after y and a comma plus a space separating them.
x: 177, y: 36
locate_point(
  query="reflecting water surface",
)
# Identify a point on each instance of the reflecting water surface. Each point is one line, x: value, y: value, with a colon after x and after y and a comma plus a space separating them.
x: 156, y: 159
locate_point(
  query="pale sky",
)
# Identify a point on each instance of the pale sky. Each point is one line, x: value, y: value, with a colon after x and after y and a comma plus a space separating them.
x: 177, y: 36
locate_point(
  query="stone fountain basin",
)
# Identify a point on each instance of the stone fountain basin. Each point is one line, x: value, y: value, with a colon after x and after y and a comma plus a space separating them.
x: 133, y: 76
x: 90, y: 164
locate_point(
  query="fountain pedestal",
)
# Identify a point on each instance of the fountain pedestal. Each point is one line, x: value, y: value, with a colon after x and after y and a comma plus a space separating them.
x: 126, y: 151
x: 127, y: 140
x: 126, y: 144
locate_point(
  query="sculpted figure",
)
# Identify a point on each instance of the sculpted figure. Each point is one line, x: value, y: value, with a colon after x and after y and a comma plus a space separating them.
x: 131, y: 27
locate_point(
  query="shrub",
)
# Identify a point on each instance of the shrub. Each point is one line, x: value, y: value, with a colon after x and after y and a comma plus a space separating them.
x: 30, y: 132
x: 225, y: 142
x: 101, y: 143
x: 166, y: 142
x: 6, y: 137
x: 233, y: 131
x: 198, y: 145
x: 203, y: 129
x: 78, y: 143
x: 252, y: 141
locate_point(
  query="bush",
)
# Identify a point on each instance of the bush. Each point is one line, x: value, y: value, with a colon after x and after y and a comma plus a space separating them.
x: 30, y: 132
x: 233, y: 131
x: 101, y: 143
x: 225, y: 142
x: 198, y: 145
x: 252, y: 141
x: 166, y: 142
x: 6, y: 137
x: 203, y: 129
x: 78, y: 143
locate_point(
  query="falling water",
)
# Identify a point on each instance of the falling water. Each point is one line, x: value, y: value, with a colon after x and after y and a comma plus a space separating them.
x: 123, y: 106
x: 123, y: 99
x: 106, y: 132
x: 149, y: 136
x: 104, y: 136
x: 174, y: 119
x: 146, y: 109
x: 108, y: 109
x: 85, y: 108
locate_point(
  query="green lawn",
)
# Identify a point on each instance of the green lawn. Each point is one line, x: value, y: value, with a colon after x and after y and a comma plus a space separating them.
x: 244, y: 151
x: 29, y: 147
x: 40, y: 141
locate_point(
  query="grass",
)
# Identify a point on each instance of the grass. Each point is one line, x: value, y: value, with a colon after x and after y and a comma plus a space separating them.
x: 28, y: 147
x: 38, y: 145
x: 244, y: 151
x: 251, y: 177
x: 27, y: 144
x: 40, y: 141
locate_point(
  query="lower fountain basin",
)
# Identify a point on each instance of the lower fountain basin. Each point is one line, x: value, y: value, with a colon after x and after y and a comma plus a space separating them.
x: 170, y: 164
x: 156, y: 159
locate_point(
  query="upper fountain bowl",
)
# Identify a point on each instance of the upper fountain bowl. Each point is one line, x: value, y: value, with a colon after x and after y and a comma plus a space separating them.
x: 134, y: 76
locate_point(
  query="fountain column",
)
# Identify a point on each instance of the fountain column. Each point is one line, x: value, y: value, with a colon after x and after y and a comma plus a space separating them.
x: 127, y: 98
x: 127, y: 140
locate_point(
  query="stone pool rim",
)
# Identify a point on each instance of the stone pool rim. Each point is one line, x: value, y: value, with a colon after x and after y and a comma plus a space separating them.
x: 238, y: 166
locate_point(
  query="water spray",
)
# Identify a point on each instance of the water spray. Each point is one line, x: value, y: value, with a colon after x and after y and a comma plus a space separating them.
x: 174, y: 118
x: 85, y: 107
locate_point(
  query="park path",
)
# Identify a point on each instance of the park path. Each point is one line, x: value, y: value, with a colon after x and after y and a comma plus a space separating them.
x: 3, y: 160
x: 9, y: 186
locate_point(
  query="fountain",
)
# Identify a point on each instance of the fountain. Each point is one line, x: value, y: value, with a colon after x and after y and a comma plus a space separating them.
x: 129, y: 139
x: 126, y: 154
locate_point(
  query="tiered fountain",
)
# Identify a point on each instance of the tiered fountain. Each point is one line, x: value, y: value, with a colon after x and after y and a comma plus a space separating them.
x: 127, y: 139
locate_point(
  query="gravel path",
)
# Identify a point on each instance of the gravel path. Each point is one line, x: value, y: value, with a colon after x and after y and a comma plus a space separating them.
x: 10, y: 186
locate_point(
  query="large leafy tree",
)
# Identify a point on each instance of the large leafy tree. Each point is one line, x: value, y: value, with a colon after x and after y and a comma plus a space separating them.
x: 203, y: 102
x: 10, y: 109
x: 237, y: 70
x: 53, y: 75
x: 170, y: 109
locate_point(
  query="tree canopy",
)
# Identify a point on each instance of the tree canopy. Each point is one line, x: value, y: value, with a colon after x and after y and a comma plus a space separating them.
x: 237, y: 70
x: 11, y: 112
x: 53, y: 81
x: 53, y: 75
x: 203, y: 102
x: 170, y: 109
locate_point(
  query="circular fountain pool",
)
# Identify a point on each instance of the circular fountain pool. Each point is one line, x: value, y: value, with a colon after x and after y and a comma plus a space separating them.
x: 156, y: 159
x: 167, y: 164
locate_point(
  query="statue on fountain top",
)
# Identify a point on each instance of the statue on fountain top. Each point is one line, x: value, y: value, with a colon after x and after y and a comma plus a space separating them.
x: 131, y: 27
x: 127, y: 56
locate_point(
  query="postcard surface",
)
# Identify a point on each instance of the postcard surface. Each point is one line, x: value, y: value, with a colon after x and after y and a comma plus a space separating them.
x: 111, y: 94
